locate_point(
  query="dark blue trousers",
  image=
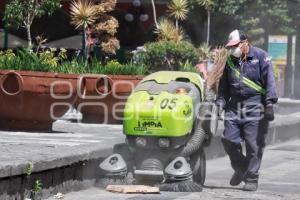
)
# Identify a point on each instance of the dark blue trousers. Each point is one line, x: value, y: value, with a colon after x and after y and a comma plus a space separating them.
x: 245, y: 123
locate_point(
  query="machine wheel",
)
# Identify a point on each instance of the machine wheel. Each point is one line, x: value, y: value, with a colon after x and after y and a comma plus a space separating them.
x: 198, y: 165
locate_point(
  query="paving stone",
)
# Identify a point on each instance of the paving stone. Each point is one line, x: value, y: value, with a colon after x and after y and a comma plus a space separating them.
x: 275, y: 183
x: 67, y: 159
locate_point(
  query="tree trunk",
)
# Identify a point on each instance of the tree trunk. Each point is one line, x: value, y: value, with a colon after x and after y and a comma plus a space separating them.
x: 296, y: 90
x: 176, y: 24
x: 84, y: 45
x: 29, y: 35
x: 154, y: 13
x: 5, y: 38
x: 208, y: 26
x: 289, y: 72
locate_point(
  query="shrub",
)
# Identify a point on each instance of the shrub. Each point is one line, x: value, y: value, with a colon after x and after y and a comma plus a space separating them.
x: 50, y: 61
x: 168, y: 55
x: 26, y: 60
x: 188, y: 67
x: 114, y: 67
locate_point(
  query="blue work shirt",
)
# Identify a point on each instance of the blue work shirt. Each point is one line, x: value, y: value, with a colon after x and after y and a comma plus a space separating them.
x: 257, y: 67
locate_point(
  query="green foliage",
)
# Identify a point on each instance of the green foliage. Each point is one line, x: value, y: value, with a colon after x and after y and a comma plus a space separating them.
x: 167, y: 31
x: 204, y: 52
x: 207, y: 4
x: 50, y: 61
x: 29, y: 168
x: 37, y: 187
x: 189, y: 67
x: 114, y: 67
x: 21, y: 12
x: 27, y: 60
x: 75, y: 66
x: 178, y: 9
x: 168, y: 55
x: 256, y: 17
x: 134, y: 69
x: 230, y: 7
x: 275, y: 13
x: 279, y: 16
x: 252, y: 27
x: 13, y: 14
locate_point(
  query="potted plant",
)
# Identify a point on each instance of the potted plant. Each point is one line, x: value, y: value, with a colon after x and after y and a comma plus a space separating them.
x: 32, y: 97
x: 39, y: 86
x: 29, y: 88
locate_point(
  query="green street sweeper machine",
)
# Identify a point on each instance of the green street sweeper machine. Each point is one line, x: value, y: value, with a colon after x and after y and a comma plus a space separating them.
x: 167, y: 123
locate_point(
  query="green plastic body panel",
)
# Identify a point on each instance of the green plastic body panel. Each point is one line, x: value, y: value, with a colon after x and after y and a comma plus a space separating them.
x: 165, y: 114
x: 168, y: 76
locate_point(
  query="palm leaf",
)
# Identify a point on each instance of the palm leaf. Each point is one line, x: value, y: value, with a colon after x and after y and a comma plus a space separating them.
x: 178, y: 9
x: 83, y: 13
x: 207, y: 4
x: 167, y: 31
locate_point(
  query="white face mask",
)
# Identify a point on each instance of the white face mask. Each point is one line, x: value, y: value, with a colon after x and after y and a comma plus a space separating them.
x: 236, y: 52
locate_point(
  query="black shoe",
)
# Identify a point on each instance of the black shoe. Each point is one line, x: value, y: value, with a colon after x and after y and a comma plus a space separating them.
x: 250, y: 186
x: 236, y: 179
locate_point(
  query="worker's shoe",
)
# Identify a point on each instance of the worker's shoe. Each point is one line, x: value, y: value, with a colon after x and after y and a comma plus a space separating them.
x: 236, y: 179
x: 250, y: 186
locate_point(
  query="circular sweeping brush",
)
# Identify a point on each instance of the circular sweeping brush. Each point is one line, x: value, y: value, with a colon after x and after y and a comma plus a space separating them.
x: 178, y: 177
x: 114, y: 172
x: 106, y: 181
x: 184, y: 186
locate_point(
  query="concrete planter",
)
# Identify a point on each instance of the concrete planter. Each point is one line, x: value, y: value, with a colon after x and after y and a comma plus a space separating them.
x: 32, y: 101
x: 104, y: 98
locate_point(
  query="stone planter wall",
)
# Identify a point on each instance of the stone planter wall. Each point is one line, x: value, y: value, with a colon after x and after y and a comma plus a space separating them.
x: 105, y: 97
x: 34, y: 100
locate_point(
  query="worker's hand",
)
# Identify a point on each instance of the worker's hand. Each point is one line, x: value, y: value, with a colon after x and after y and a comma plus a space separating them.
x: 269, y: 112
x: 201, y: 67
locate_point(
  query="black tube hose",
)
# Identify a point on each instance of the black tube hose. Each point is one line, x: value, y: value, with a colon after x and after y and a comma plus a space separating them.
x: 201, y: 129
x: 197, y: 139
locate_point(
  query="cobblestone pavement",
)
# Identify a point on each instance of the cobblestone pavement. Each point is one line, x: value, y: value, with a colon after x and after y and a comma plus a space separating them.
x: 280, y: 179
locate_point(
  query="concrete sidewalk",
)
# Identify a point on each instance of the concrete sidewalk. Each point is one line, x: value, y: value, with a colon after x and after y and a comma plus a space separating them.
x: 68, y: 144
x: 64, y: 160
x: 73, y: 142
x: 67, y: 159
x: 287, y: 106
x: 279, y: 180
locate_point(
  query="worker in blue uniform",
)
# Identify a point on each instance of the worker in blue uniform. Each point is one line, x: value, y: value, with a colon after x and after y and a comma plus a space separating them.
x: 247, y: 93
